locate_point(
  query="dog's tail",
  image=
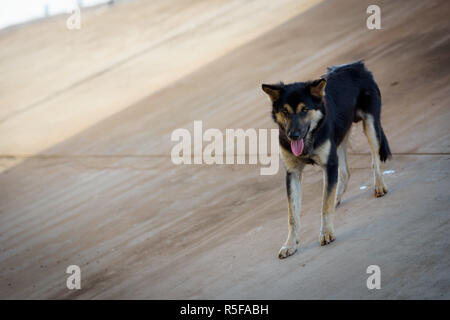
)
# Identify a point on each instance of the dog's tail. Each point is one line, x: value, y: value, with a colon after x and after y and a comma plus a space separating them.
x: 385, y: 151
x: 375, y: 103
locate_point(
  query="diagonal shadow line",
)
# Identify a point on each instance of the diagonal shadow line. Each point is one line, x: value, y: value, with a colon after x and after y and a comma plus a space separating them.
x: 118, y: 156
x: 42, y: 155
x: 283, y: 25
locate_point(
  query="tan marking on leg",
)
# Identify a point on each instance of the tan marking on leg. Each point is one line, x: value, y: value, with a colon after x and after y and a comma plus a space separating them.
x: 326, y: 235
x: 294, y: 204
x: 344, y: 173
x: 369, y: 130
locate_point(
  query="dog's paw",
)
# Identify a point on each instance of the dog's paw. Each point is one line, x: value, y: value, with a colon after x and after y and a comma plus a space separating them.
x: 287, y: 251
x: 380, y: 190
x: 326, y: 237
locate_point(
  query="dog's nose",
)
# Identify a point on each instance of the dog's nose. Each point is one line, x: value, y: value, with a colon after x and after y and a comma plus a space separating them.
x: 294, y: 135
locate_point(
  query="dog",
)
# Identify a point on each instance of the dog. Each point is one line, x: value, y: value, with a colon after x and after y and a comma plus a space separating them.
x: 314, y: 120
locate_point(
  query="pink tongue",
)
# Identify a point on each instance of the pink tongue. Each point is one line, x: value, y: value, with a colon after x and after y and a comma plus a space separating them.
x: 297, y: 147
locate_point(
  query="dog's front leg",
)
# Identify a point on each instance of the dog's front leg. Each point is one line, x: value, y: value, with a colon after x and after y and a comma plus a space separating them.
x: 294, y: 194
x: 330, y: 178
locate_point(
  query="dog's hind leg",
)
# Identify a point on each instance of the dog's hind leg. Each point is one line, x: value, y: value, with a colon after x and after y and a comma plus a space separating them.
x: 370, y: 127
x: 294, y: 193
x: 344, y: 173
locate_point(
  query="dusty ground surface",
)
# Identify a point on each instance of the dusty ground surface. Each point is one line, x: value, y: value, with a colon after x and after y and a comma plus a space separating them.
x: 87, y: 177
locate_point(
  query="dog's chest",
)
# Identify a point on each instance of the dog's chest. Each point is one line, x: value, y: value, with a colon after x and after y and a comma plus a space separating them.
x: 318, y: 156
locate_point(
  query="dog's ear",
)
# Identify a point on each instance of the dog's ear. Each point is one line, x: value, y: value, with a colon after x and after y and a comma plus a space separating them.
x: 317, y: 88
x: 273, y: 91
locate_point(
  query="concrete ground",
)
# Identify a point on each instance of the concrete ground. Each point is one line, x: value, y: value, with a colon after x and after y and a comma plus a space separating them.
x: 85, y: 145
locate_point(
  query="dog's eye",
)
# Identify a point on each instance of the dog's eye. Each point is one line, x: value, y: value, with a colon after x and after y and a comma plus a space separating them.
x: 305, y: 109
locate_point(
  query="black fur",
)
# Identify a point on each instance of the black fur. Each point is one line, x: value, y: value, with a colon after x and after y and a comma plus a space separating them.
x: 350, y: 88
x: 288, y: 184
x: 318, y: 115
x: 385, y: 151
x: 332, y: 171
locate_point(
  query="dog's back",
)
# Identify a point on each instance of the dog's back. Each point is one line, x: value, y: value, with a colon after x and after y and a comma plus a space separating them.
x: 353, y: 95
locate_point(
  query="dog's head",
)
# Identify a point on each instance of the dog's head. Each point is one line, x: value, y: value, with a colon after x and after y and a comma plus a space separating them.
x: 297, y: 109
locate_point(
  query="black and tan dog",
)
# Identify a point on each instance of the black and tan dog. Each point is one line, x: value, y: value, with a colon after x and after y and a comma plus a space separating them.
x: 314, y: 119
